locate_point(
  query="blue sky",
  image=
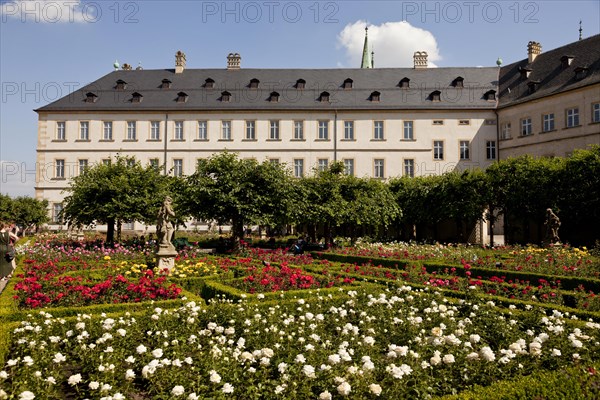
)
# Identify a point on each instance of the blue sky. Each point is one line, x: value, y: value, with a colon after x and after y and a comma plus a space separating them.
x: 48, y: 48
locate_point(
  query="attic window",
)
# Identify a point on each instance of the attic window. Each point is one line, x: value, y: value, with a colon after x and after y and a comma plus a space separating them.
x: 300, y: 84
x: 166, y: 84
x: 525, y: 72
x: 375, y: 96
x: 435, y: 95
x: 533, y: 85
x: 581, y: 72
x: 225, y: 96
x: 565, y: 61
x: 348, y: 83
x: 458, y: 82
x: 490, y: 95
x: 136, y: 97
x: 324, y: 97
x: 209, y: 83
x: 404, y: 83
x: 90, y: 97
x: 182, y: 97
x: 121, y: 85
x: 254, y: 83
x: 274, y: 97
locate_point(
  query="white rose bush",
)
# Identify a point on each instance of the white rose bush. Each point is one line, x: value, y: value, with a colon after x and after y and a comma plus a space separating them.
x: 357, y: 341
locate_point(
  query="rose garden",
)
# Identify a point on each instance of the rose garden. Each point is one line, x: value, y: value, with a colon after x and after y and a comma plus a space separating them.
x: 364, y: 319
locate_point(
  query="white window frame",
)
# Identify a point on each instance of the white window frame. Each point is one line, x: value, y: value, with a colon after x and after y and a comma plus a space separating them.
x: 178, y: 131
x: 298, y: 167
x: 572, y: 117
x: 107, y: 130
x: 202, y: 130
x: 274, y: 130
x: 526, y: 126
x: 408, y: 130
x: 379, y: 168
x: 83, y: 164
x: 251, y: 130
x: 131, y: 130
x: 56, y: 210
x: 323, y: 130
x: 490, y: 150
x: 84, y: 130
x: 348, y: 130
x: 59, y: 169
x: 178, y: 167
x: 154, y: 130
x: 226, y: 130
x: 298, y: 130
x: 548, y: 122
x: 378, y: 130
x: 349, y: 166
x: 409, y: 167
x: 61, y: 130
x: 596, y: 112
x: 464, y: 149
x: 505, y: 132
x: 438, y: 150
x: 322, y: 164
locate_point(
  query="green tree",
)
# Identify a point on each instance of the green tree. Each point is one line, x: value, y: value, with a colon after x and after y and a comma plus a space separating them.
x: 29, y: 212
x: 116, y: 192
x: 6, y: 208
x: 238, y: 191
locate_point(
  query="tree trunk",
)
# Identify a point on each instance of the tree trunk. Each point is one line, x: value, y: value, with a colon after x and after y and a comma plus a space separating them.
x: 119, y: 230
x: 237, y: 233
x: 110, y: 232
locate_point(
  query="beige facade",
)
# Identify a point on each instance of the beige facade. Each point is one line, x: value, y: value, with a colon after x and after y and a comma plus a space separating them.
x: 559, y: 124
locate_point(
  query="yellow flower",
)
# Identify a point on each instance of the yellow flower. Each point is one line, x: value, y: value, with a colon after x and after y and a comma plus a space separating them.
x: 107, y: 258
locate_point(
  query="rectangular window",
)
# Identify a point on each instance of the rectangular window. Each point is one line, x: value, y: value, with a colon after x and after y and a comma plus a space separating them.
x: 526, y: 128
x: 438, y: 122
x: 202, y: 133
x: 177, y: 167
x: 378, y: 168
x: 178, y: 134
x: 274, y: 160
x: 107, y: 130
x: 505, y: 131
x: 409, y: 168
x: 490, y: 148
x: 349, y: 167
x: 348, y: 130
x: 464, y: 122
x: 83, y: 164
x: 408, y: 130
x: 299, y: 130
x: 438, y: 150
x: 84, y: 130
x: 464, y: 150
x: 226, y: 130
x: 61, y: 131
x: 572, y: 117
x: 154, y: 163
x: 106, y: 161
x: 298, y: 167
x: 596, y: 112
x: 548, y: 122
x: 60, y: 169
x: 323, y: 130
x: 322, y: 164
x: 56, y: 213
x: 250, y: 130
x: 378, y: 130
x: 131, y: 130
x: 274, y: 130
x: 155, y: 130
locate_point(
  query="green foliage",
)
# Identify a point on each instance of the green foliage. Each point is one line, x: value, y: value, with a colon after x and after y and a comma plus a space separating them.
x: 24, y: 211
x: 120, y: 191
x: 238, y: 191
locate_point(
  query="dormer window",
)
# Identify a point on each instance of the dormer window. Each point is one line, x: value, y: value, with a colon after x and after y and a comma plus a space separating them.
x: 225, y: 96
x: 375, y: 96
x: 533, y: 85
x: 300, y: 84
x: 525, y: 72
x: 90, y: 97
x: 435, y: 96
x: 254, y: 83
x: 166, y: 84
x: 182, y: 97
x: 209, y: 83
x: 136, y: 97
x: 404, y: 83
x: 458, y: 82
x: 274, y: 97
x: 565, y: 61
x: 121, y: 85
x: 348, y: 83
x: 581, y: 72
x: 490, y: 95
x: 324, y: 97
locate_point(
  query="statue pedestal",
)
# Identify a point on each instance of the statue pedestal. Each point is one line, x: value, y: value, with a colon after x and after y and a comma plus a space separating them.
x: 165, y: 257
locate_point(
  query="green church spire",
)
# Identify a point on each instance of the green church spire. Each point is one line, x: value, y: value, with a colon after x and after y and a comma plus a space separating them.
x: 366, y: 57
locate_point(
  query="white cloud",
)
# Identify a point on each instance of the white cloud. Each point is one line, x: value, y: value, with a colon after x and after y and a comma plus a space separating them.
x: 394, y: 43
x: 49, y: 11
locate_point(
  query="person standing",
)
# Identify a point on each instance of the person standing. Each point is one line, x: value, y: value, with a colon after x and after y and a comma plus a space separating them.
x: 6, y: 238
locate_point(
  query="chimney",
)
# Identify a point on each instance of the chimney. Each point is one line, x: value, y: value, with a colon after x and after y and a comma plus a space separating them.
x: 420, y: 59
x: 534, y: 49
x: 179, y: 62
x: 233, y: 61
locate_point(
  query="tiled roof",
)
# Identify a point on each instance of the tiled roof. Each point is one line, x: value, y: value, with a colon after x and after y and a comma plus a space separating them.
x: 548, y: 76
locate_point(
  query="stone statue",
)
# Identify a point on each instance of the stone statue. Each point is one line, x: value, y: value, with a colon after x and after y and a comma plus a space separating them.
x: 164, y: 224
x: 552, y: 224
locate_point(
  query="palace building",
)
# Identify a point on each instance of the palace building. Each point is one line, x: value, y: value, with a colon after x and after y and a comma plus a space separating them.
x: 380, y: 122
